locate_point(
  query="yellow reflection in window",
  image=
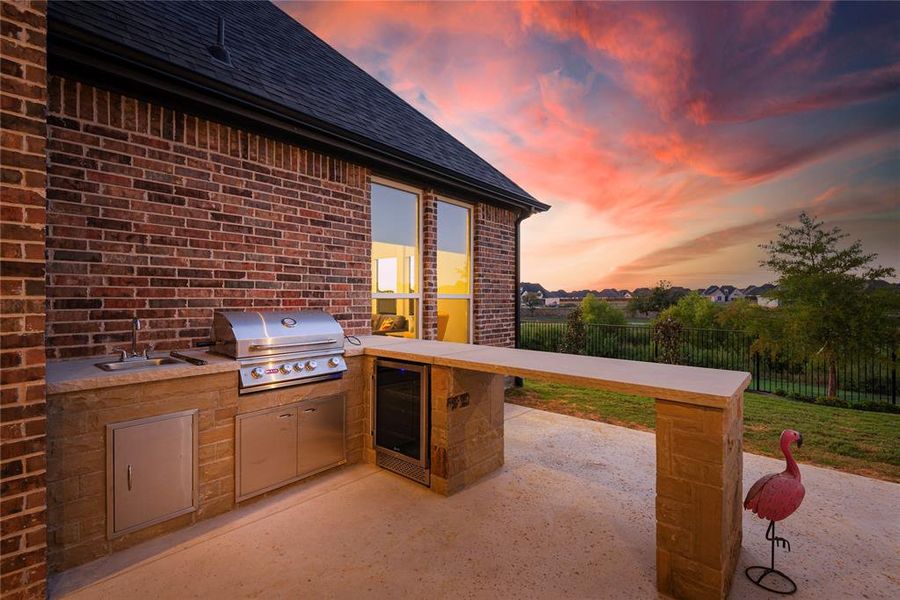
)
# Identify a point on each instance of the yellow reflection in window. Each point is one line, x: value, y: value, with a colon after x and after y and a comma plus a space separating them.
x: 453, y: 320
x: 395, y: 317
x: 453, y: 249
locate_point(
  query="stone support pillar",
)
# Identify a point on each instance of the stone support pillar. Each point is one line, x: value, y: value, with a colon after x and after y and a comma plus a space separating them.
x: 698, y: 497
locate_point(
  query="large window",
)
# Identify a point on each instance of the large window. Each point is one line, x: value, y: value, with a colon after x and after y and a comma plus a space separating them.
x: 396, y: 291
x: 454, y: 271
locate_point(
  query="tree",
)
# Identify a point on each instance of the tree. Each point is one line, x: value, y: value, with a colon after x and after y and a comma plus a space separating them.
x: 531, y: 300
x: 600, y: 312
x: 693, y: 311
x: 661, y: 297
x: 827, y: 308
x: 576, y: 337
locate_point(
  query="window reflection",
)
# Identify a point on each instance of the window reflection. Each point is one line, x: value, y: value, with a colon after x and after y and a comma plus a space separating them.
x: 395, y: 245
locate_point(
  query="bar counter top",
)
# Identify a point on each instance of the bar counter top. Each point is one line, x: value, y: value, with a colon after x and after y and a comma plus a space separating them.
x: 691, y: 385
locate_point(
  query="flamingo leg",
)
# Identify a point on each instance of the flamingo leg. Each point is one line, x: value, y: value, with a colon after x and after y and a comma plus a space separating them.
x: 776, y: 541
x: 757, y: 574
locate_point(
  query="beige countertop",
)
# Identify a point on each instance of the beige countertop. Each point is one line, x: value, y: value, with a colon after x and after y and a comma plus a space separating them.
x: 82, y: 374
x: 693, y: 385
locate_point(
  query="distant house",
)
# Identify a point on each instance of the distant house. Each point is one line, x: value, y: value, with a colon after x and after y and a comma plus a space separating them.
x: 767, y: 302
x: 609, y: 294
x: 731, y: 293
x: 758, y: 294
x: 638, y: 292
x: 532, y: 288
x: 722, y: 293
x: 551, y: 301
x: 625, y: 294
x: 715, y: 294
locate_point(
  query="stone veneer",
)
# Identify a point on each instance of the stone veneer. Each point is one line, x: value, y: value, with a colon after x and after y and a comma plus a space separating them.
x: 466, y: 427
x: 23, y: 100
x: 77, y: 454
x: 698, y: 497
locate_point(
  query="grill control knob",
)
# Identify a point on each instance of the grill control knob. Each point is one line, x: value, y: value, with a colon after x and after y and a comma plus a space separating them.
x: 257, y: 372
x: 298, y: 366
x: 311, y: 365
x: 334, y: 361
x: 285, y: 369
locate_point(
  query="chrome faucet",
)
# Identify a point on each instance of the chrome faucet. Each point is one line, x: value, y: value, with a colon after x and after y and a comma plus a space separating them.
x: 135, y: 327
x: 124, y: 355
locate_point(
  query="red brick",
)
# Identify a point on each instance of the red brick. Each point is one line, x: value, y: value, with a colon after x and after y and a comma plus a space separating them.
x: 23, y: 451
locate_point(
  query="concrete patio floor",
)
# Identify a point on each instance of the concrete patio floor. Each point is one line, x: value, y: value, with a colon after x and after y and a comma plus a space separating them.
x: 571, y: 515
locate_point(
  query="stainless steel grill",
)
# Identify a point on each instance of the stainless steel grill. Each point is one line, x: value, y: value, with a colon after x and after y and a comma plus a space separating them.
x: 278, y: 349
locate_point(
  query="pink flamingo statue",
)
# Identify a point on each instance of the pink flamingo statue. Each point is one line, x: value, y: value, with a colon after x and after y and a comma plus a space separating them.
x: 775, y: 497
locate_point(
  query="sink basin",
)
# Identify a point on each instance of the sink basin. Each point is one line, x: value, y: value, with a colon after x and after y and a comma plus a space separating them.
x: 117, y: 365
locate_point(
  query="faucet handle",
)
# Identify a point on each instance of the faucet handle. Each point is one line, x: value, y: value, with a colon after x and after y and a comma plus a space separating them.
x: 148, y: 350
x: 123, y: 354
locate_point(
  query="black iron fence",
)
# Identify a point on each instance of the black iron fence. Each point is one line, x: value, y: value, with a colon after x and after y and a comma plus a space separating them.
x: 861, y: 378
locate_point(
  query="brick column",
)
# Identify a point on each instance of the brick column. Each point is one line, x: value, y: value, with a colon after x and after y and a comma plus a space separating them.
x: 495, y: 285
x: 428, y: 310
x: 23, y: 460
x: 698, y: 497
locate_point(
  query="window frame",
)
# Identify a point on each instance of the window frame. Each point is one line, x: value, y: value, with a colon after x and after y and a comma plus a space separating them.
x: 470, y: 208
x: 420, y: 236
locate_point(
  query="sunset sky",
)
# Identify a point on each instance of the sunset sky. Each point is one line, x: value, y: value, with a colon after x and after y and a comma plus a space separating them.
x: 669, y: 138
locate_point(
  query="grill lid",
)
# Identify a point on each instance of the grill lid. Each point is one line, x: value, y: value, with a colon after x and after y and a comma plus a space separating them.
x: 247, y: 334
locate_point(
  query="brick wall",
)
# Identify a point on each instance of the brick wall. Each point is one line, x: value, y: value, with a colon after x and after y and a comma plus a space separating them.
x: 495, y: 276
x: 165, y: 216
x: 23, y: 413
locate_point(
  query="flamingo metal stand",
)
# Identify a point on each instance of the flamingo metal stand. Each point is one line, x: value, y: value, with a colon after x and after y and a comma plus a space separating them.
x: 751, y: 572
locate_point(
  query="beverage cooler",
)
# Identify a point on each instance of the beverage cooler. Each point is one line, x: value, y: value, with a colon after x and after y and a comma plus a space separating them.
x: 402, y: 418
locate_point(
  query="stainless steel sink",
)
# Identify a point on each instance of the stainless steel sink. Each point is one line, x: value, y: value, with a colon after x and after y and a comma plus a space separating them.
x: 118, y: 365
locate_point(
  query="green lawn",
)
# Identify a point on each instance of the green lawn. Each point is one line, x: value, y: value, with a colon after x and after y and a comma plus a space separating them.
x: 866, y: 443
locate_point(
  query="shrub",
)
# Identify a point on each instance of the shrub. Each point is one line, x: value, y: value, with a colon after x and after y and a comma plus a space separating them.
x: 576, y: 336
x: 877, y: 407
x: 693, y: 311
x: 780, y: 392
x: 600, y: 312
x: 832, y: 401
x: 667, y: 333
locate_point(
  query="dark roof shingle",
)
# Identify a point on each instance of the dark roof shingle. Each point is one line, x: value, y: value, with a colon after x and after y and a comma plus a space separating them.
x: 277, y: 59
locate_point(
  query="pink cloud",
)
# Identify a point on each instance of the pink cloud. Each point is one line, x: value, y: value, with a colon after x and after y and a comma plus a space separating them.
x: 654, y: 116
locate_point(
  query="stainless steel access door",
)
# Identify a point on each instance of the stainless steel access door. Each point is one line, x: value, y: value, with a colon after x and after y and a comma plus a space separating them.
x: 321, y: 433
x: 267, y: 450
x: 151, y: 471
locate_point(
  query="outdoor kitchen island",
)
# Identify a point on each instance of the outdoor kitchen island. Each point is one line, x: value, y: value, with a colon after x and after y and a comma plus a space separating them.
x: 699, y: 429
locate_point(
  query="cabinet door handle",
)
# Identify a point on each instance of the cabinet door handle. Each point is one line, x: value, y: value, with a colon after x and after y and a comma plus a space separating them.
x: 286, y: 416
x: 129, y: 472
x: 310, y: 410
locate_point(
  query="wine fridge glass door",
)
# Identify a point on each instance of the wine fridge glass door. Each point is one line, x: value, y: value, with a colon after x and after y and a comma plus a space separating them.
x: 401, y: 410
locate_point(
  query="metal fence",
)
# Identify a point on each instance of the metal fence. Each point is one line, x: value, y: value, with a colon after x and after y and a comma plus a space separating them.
x: 861, y: 378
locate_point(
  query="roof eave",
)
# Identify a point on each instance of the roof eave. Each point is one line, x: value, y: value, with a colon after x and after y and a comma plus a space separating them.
x: 70, y: 47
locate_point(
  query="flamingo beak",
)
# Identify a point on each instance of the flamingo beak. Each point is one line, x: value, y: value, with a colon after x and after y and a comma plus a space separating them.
x: 799, y: 440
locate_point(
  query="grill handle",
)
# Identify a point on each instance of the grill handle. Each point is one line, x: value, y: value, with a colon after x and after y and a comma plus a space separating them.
x: 293, y: 345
